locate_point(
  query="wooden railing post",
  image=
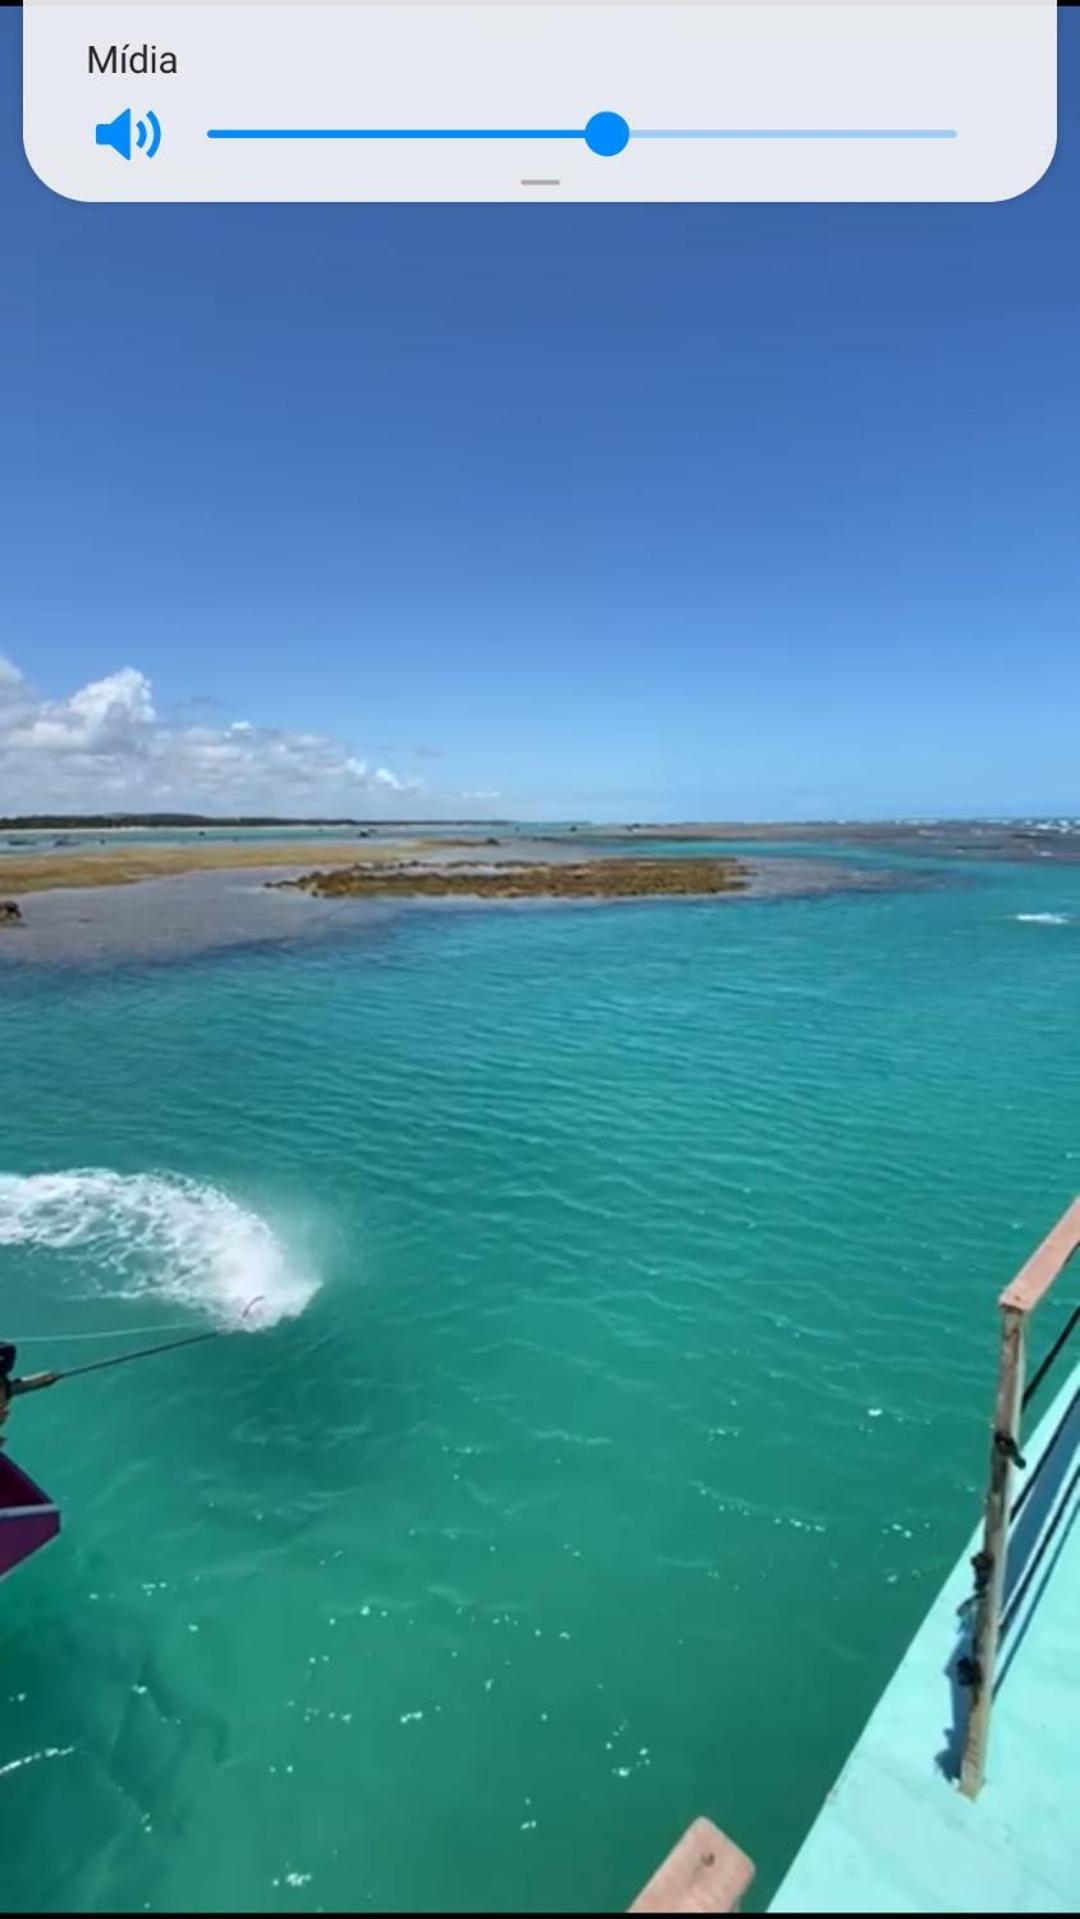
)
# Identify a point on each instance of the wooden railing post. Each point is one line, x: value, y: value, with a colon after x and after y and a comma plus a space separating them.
x: 1017, y: 1303
x: 990, y: 1564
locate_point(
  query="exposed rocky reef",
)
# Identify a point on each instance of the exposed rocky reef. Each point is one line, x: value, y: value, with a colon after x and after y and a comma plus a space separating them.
x: 582, y: 879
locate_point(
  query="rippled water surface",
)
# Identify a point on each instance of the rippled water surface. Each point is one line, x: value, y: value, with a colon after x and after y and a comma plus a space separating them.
x: 615, y: 1403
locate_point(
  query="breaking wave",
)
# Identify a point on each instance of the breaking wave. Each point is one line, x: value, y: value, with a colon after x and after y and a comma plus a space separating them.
x: 1043, y: 919
x: 159, y: 1235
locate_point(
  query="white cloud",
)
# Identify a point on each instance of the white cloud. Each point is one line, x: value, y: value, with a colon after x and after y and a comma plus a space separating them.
x: 107, y: 717
x: 105, y: 748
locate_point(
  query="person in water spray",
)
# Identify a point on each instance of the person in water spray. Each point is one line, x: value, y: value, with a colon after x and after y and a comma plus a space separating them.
x: 11, y: 1388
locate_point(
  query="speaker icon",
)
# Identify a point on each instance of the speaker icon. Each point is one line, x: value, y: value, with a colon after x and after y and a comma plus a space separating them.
x: 117, y: 134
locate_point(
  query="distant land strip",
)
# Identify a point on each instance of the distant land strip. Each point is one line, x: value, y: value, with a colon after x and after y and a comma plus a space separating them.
x: 103, y: 822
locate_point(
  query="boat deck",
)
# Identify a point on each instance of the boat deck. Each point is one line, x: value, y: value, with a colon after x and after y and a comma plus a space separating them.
x: 896, y: 1834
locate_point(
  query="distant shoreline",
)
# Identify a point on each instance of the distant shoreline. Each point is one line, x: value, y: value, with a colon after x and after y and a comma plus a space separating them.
x: 205, y: 822
x: 982, y: 830
x: 127, y: 865
x: 114, y: 858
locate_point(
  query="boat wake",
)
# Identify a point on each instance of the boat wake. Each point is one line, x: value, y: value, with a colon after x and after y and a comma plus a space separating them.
x: 159, y: 1235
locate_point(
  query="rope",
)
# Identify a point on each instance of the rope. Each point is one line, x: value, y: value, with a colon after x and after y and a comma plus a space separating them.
x: 62, y: 1339
x: 1030, y: 1482
x: 53, y: 1378
x: 35, y: 1381
x: 1062, y: 1339
x: 123, y: 1359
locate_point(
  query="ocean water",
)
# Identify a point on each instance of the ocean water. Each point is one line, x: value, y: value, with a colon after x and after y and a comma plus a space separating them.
x: 22, y: 840
x: 614, y: 1403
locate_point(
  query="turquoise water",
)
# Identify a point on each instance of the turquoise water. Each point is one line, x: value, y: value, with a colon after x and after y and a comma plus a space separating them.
x: 636, y: 1410
x: 48, y: 839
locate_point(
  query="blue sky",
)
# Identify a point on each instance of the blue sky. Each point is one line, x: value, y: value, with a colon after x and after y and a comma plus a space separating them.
x: 654, y: 512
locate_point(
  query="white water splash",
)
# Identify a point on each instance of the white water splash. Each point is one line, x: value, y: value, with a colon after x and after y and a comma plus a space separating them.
x: 1043, y: 919
x: 158, y: 1234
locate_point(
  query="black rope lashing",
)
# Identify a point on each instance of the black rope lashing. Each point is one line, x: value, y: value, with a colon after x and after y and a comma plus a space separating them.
x: 1063, y: 1337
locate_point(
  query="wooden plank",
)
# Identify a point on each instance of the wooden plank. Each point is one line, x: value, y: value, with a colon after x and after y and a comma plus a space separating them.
x: 705, y: 1872
x: 1034, y: 1280
x: 995, y: 1546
